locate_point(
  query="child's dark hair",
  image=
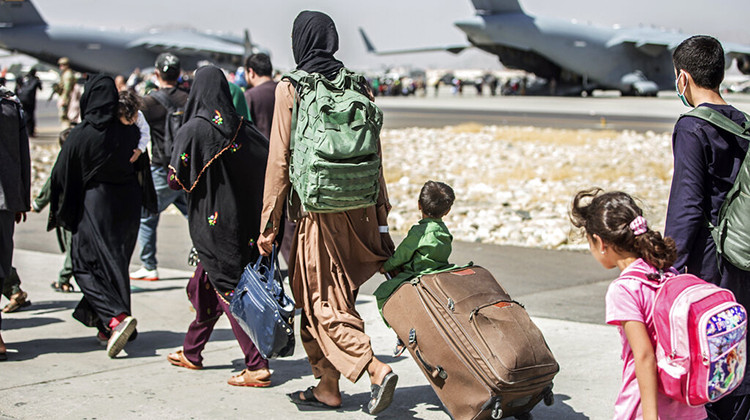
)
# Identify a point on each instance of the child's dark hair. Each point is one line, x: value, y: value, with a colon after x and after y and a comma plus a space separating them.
x: 128, y: 104
x: 609, y: 216
x: 703, y: 57
x: 436, y: 199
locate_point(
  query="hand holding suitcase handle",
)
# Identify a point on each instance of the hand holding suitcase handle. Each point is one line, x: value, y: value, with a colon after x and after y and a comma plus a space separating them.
x: 436, y: 371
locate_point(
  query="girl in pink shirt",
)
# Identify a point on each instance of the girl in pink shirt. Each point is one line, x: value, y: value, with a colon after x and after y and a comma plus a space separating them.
x: 619, y: 236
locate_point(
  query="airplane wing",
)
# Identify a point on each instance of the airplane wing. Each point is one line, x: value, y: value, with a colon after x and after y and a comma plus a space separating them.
x: 735, y: 50
x: 186, y: 42
x: 647, y: 44
x: 654, y: 42
x: 454, y: 49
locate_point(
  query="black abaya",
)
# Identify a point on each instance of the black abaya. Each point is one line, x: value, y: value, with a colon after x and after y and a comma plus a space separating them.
x: 97, y: 196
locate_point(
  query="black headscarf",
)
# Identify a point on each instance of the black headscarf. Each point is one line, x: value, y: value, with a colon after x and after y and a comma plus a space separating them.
x: 220, y: 160
x: 85, y: 152
x: 209, y: 100
x: 314, y: 41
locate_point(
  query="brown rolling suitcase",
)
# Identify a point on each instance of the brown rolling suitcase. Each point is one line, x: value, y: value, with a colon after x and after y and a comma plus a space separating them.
x: 478, y: 348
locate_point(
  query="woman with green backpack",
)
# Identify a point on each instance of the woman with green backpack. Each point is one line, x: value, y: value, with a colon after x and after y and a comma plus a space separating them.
x: 325, y: 151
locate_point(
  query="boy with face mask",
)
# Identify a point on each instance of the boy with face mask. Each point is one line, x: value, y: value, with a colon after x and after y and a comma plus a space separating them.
x: 707, y: 160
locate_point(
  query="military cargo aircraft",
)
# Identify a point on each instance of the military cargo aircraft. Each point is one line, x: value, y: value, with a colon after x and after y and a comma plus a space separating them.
x: 574, y: 57
x: 23, y: 30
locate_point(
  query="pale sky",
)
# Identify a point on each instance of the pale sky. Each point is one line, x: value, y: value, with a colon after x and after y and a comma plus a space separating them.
x: 393, y: 24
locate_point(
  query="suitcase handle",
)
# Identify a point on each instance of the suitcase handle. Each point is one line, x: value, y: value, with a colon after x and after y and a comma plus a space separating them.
x: 435, y: 372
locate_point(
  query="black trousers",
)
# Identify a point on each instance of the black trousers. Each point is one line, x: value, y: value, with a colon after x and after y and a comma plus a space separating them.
x: 7, y: 226
x: 730, y: 408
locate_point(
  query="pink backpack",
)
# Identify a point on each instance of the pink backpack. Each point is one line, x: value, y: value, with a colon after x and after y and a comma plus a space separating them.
x: 700, y: 337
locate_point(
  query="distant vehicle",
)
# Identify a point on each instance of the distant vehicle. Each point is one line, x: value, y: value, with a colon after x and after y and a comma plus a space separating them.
x: 23, y: 30
x: 574, y: 57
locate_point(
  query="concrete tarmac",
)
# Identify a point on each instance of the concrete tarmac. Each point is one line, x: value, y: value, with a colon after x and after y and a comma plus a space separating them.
x: 56, y: 369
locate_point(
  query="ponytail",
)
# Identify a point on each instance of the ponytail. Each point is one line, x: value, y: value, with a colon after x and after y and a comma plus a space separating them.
x: 655, y: 250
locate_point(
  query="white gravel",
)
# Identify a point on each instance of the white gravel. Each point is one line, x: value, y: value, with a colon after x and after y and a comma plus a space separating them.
x: 514, y: 185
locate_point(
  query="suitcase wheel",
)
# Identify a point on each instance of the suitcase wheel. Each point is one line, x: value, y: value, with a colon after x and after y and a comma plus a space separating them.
x: 549, y: 398
x: 497, y: 412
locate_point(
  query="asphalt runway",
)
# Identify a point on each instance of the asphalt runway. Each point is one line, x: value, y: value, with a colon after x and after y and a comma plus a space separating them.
x: 398, y: 117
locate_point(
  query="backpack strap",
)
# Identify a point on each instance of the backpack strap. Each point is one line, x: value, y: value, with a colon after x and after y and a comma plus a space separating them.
x: 295, y: 210
x: 163, y: 99
x: 719, y: 120
x: 643, y: 276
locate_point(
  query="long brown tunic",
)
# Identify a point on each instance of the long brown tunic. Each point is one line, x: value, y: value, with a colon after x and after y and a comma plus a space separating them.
x: 334, y: 254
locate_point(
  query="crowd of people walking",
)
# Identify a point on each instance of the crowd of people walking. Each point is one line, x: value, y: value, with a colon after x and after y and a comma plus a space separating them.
x: 226, y: 161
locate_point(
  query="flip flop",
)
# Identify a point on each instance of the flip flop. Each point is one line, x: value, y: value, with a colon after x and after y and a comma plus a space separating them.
x: 310, y: 399
x: 381, y: 395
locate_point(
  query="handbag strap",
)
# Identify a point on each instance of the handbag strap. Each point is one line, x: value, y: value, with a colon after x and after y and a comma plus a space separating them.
x: 273, y: 266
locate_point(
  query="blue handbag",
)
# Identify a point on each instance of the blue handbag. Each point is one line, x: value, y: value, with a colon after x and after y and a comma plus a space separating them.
x: 262, y: 308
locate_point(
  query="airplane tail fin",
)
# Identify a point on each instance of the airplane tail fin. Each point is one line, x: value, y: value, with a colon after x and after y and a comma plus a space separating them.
x: 494, y: 7
x: 248, y: 44
x: 366, y: 40
x: 19, y: 12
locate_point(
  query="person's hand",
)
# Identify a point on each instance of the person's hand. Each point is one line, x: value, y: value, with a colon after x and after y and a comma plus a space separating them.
x: 265, y: 242
x: 382, y: 270
x: 387, y: 242
x: 20, y: 216
x: 136, y: 155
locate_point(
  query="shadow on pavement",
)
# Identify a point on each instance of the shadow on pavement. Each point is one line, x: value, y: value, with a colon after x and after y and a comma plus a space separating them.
x: 48, y: 306
x: 135, y: 289
x: 284, y: 370
x: 149, y: 342
x: 27, y: 350
x: 558, y: 410
x: 15, y: 324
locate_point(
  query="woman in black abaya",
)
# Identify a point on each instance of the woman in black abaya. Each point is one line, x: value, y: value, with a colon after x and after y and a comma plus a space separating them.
x: 96, y: 195
x: 219, y: 159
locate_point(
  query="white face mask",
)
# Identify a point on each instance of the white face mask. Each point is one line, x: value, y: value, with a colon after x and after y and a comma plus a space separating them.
x: 681, y: 95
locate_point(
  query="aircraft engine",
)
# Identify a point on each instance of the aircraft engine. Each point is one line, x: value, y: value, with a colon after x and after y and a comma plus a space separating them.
x: 743, y: 64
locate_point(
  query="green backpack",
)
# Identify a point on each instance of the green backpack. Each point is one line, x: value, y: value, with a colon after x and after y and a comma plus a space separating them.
x: 732, y: 230
x: 335, y: 165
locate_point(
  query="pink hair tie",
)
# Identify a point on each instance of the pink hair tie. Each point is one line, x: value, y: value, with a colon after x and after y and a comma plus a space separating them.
x: 639, y: 226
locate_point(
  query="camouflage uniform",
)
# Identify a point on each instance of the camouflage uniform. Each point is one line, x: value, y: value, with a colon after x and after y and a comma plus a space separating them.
x: 67, y: 82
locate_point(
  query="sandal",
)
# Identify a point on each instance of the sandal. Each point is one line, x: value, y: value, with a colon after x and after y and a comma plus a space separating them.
x: 62, y: 287
x: 178, y: 359
x: 310, y: 399
x: 17, y: 302
x: 381, y: 395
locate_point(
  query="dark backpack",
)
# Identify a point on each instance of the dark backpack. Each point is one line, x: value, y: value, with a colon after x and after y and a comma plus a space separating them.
x: 732, y: 230
x: 172, y: 120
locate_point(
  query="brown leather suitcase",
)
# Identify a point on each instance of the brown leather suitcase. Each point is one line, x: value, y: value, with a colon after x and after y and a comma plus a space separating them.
x: 478, y: 348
